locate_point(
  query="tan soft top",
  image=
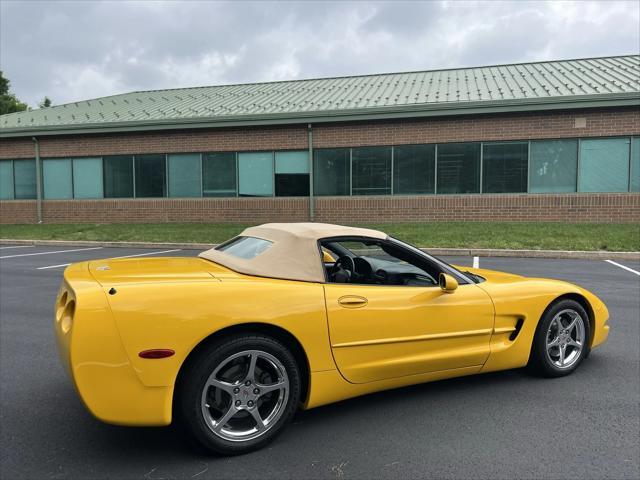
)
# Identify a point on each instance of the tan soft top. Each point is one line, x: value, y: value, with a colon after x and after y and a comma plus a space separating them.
x: 294, y: 254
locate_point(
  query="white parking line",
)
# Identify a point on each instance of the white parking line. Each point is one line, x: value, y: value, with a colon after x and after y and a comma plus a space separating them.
x: 51, y: 253
x: 623, y: 267
x: 17, y: 246
x: 125, y: 256
x: 476, y: 262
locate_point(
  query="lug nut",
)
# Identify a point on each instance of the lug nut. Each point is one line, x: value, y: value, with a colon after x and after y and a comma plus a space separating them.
x: 238, y: 403
x: 236, y: 390
x: 250, y: 403
x: 247, y: 383
x: 256, y: 391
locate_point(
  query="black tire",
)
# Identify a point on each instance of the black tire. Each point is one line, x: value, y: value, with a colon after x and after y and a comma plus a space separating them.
x: 540, y: 362
x: 192, y: 414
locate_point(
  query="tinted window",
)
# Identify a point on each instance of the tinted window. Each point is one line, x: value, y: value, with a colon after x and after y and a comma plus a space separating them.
x: 414, y: 169
x: 255, y: 174
x: 245, y: 247
x: 331, y: 172
x: 604, y: 165
x: 87, y: 178
x: 371, y: 170
x: 150, y: 176
x: 6, y: 180
x: 56, y: 178
x: 219, y: 174
x: 553, y: 166
x: 24, y: 174
x: 184, y: 175
x: 118, y: 176
x: 292, y: 174
x: 504, y: 167
x: 458, y: 168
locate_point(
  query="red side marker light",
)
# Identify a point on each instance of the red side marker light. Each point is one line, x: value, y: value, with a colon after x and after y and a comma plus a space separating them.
x: 156, y: 353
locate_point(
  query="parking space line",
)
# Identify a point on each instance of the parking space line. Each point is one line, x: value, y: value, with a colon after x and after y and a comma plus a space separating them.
x: 623, y: 267
x: 50, y: 253
x: 476, y: 262
x: 113, y: 258
x: 17, y: 246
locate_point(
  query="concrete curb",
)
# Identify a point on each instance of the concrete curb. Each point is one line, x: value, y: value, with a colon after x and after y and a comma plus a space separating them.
x: 461, y: 252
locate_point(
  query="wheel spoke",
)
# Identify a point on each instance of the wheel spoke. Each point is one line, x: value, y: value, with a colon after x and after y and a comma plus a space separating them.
x: 264, y: 389
x: 258, y: 419
x: 226, y: 386
x: 251, y: 371
x: 225, y: 418
x: 573, y: 323
x: 553, y: 343
x: 562, y: 351
x: 574, y: 343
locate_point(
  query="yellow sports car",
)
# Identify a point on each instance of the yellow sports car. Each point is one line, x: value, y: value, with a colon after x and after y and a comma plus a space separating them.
x: 303, y: 314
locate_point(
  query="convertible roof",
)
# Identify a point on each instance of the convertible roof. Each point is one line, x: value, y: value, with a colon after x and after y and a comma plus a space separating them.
x: 294, y: 253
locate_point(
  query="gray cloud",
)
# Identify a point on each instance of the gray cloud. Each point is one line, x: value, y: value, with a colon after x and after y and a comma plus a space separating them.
x: 78, y: 50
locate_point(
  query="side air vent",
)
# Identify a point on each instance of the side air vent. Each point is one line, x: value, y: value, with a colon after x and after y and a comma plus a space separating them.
x: 515, y: 333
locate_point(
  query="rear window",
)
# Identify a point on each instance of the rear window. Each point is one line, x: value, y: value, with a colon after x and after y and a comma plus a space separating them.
x: 245, y: 247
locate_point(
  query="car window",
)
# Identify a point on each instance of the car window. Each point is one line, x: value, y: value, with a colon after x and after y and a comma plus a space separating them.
x: 375, y: 262
x: 245, y: 247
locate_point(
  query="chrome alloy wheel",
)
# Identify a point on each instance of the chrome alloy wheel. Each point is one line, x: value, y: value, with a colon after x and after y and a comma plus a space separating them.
x: 565, y: 338
x: 245, y: 395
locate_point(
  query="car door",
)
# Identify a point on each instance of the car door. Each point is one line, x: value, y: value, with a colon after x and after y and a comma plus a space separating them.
x: 379, y: 332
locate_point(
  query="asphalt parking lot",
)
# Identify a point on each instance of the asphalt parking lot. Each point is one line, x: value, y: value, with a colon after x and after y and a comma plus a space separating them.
x: 501, y: 425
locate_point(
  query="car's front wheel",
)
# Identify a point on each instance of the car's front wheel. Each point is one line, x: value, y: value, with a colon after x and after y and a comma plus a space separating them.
x: 561, y: 340
x: 238, y: 394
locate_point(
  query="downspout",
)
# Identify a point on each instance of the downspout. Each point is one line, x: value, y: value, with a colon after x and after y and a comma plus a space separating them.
x: 38, y: 180
x: 312, y: 213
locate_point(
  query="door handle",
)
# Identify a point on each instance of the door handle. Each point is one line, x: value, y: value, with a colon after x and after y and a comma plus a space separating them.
x: 352, y: 301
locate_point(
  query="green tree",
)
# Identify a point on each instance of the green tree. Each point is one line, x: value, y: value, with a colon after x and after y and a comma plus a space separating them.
x: 46, y: 102
x: 8, y: 101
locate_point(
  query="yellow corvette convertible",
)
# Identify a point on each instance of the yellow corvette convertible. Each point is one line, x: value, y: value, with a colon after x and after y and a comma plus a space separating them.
x: 300, y: 315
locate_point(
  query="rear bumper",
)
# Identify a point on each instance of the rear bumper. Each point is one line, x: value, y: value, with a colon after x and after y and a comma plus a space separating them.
x: 91, y: 351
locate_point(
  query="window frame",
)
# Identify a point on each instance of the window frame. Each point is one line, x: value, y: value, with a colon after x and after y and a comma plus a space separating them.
x: 412, y: 252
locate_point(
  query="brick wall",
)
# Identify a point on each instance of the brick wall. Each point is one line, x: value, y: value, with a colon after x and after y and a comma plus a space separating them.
x: 579, y: 207
x: 522, y: 207
x: 599, y: 122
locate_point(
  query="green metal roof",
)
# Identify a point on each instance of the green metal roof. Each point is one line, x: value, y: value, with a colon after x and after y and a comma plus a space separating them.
x: 582, y: 83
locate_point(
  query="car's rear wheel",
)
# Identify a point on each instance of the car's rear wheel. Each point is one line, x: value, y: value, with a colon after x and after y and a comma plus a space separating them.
x: 561, y: 340
x: 238, y: 394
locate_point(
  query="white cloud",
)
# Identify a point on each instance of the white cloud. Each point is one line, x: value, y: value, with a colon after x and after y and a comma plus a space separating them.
x: 77, y: 50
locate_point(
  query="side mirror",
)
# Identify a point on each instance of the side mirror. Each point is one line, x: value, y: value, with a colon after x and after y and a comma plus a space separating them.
x: 448, y: 284
x: 327, y: 257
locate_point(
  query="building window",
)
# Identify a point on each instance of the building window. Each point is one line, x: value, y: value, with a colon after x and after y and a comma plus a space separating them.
x: 634, y: 184
x: 414, y: 169
x: 87, y: 178
x: 604, y: 165
x: 292, y: 174
x: 219, y: 174
x: 255, y: 174
x: 371, y: 171
x: 553, y: 166
x: 24, y: 175
x: 331, y: 172
x: 150, y: 176
x: 118, y: 176
x: 185, y: 179
x: 458, y: 168
x: 6, y: 180
x: 504, y: 167
x: 56, y: 178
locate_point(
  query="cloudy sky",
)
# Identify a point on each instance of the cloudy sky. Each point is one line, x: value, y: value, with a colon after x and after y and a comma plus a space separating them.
x: 85, y: 49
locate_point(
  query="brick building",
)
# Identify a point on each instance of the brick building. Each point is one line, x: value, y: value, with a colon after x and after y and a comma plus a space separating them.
x: 555, y: 141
